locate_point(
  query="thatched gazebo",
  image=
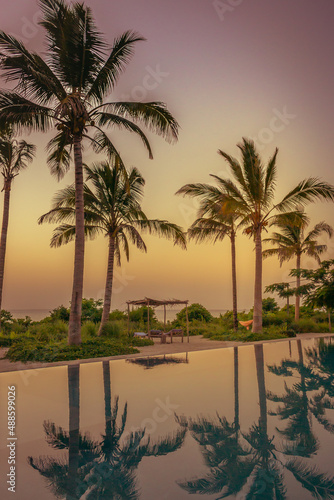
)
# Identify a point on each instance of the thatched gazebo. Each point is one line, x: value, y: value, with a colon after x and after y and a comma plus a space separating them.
x: 155, y: 303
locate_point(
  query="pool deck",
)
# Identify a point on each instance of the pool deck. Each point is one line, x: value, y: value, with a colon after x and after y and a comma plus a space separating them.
x: 197, y: 343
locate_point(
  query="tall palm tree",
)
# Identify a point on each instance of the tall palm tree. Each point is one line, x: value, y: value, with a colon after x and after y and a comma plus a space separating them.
x: 67, y: 91
x: 104, y: 468
x: 113, y: 207
x: 292, y: 241
x: 14, y: 157
x: 214, y: 222
x: 250, y: 193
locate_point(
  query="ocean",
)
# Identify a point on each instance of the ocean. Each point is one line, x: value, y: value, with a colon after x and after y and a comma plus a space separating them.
x: 38, y: 314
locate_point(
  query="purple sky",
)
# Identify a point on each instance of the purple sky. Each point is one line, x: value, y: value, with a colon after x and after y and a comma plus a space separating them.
x: 225, y: 69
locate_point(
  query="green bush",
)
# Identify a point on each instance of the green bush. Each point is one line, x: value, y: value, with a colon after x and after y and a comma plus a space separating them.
x: 112, y: 329
x: 89, y: 329
x: 34, y: 350
x: 46, y: 332
x: 117, y: 315
x: 195, y: 312
x: 140, y: 315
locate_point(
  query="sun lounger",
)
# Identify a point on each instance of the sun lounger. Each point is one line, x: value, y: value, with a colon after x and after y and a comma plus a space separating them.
x: 163, y: 335
x: 140, y: 334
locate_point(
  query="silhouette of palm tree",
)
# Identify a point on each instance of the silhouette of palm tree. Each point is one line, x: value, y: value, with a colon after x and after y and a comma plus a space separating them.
x: 98, y: 469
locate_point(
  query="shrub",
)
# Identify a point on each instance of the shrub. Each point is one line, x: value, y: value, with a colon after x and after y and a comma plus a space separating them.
x: 60, y: 312
x: 89, y: 329
x: 140, y: 314
x: 269, y: 305
x: 46, y: 332
x: 34, y: 350
x: 117, y: 315
x: 111, y: 329
x: 195, y: 312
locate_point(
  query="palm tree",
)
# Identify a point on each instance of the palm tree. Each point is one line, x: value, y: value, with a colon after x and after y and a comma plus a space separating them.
x: 104, y: 468
x: 112, y: 207
x: 250, y: 193
x: 291, y: 241
x: 67, y: 90
x: 14, y: 157
x: 214, y: 222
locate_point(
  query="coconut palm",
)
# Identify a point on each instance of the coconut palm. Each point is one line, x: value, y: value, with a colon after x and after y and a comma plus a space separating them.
x: 229, y: 461
x: 14, y: 156
x: 214, y: 223
x: 67, y: 91
x: 113, y: 207
x: 292, y: 241
x: 104, y: 468
x: 250, y: 193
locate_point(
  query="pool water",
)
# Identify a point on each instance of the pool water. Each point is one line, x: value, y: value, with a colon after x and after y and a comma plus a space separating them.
x: 254, y: 422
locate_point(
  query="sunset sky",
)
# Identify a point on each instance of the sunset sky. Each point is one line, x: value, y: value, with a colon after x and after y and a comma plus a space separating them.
x: 226, y: 69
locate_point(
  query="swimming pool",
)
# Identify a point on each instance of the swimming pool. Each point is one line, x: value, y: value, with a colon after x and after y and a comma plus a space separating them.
x: 254, y: 422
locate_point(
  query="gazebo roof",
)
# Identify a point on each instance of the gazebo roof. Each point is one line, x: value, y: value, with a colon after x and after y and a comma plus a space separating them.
x: 155, y: 302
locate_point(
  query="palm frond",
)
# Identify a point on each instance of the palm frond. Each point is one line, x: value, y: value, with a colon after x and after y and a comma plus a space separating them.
x: 154, y: 115
x: 111, y: 69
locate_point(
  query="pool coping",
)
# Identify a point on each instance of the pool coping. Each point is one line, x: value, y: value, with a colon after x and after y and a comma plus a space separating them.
x: 197, y: 343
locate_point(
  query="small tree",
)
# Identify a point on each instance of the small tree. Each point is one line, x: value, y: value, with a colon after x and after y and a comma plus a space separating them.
x: 195, y: 312
x: 283, y: 290
x: 319, y: 289
x: 269, y: 305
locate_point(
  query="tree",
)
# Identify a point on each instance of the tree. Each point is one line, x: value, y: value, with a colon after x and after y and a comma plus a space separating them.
x: 292, y: 242
x: 67, y: 90
x: 250, y: 193
x: 283, y: 290
x: 195, y: 312
x: 14, y: 157
x: 113, y: 207
x: 319, y: 289
x: 214, y: 222
x: 269, y: 305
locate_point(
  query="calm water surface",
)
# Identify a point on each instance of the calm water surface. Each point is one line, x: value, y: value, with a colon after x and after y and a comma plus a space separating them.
x: 254, y: 422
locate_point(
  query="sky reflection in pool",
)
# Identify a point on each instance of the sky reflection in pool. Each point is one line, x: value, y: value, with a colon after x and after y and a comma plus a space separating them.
x: 254, y: 422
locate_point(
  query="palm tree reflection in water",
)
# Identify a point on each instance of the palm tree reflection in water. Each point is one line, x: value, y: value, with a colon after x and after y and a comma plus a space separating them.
x: 103, y: 469
x: 255, y: 458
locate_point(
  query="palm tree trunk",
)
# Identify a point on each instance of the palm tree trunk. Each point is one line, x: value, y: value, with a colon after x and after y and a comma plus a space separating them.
x: 236, y: 390
x: 4, y: 230
x: 298, y: 285
x: 257, y: 314
x: 234, y: 283
x: 329, y: 320
x: 74, y: 331
x: 109, y: 280
x: 259, y: 358
x: 107, y: 400
x: 74, y: 429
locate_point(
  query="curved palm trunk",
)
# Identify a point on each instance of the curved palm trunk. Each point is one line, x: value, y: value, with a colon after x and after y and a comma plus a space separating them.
x: 234, y: 284
x: 74, y: 331
x: 109, y: 282
x: 4, y: 230
x: 74, y: 424
x: 257, y: 315
x: 298, y: 285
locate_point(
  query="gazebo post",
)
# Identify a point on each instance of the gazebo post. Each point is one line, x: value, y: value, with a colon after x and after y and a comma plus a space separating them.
x: 164, y: 318
x: 148, y: 319
x: 128, y: 319
x: 187, y: 322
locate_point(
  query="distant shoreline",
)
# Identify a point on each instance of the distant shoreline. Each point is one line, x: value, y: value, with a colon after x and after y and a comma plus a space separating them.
x: 38, y: 314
